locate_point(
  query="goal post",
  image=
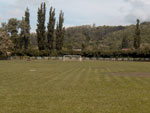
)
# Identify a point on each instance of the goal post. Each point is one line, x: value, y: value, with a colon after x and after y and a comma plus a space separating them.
x: 72, y: 58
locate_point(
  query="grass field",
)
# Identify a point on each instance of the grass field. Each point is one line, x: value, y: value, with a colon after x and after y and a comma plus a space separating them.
x: 74, y: 87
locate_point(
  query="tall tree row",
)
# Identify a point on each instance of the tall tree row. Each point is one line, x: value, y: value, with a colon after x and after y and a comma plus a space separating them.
x: 60, y: 31
x: 41, y: 38
x: 51, y: 29
x: 19, y: 30
x: 137, y: 38
x: 47, y: 41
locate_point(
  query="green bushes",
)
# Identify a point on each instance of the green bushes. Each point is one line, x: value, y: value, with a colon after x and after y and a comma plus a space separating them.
x: 140, y: 53
x: 3, y: 56
x: 31, y: 52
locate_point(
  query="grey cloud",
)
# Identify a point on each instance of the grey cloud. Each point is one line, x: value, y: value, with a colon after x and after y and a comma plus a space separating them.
x: 138, y: 9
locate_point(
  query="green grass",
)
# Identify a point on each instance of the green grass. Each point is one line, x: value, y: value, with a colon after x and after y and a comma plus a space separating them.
x: 74, y: 87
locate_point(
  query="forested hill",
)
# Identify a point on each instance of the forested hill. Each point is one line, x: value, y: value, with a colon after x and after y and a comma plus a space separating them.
x: 105, y: 37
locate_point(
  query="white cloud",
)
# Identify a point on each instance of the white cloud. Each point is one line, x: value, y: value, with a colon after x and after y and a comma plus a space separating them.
x: 138, y: 9
x: 31, y: 2
x: 79, y: 12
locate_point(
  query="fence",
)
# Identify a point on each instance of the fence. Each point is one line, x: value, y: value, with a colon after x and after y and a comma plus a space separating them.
x: 84, y: 59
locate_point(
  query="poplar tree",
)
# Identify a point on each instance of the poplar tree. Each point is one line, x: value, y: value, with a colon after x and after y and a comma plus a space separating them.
x: 41, y: 27
x: 137, y: 38
x: 22, y: 37
x: 60, y: 32
x: 27, y: 32
x: 51, y: 29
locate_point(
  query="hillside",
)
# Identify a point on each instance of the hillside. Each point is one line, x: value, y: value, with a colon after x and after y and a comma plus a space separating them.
x: 104, y: 37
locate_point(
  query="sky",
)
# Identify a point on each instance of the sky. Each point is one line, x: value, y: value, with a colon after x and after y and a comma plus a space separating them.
x: 81, y: 12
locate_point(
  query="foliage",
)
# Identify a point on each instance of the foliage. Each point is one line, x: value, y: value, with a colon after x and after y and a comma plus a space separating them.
x: 137, y: 39
x: 101, y: 41
x: 60, y: 32
x: 27, y: 33
x: 51, y: 29
x: 6, y: 44
x: 125, y: 42
x: 41, y: 38
x: 105, y: 37
x: 90, y: 36
x: 24, y: 36
x: 13, y: 26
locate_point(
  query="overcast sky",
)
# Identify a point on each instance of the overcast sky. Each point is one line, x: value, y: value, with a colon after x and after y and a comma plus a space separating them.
x: 81, y: 12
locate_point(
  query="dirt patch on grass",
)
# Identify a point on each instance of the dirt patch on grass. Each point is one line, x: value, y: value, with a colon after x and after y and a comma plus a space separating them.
x: 140, y: 74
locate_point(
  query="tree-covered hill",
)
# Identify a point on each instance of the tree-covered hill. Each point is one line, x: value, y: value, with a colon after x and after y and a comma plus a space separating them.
x: 105, y: 37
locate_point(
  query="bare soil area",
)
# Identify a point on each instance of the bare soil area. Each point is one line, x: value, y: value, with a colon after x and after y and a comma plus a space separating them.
x: 140, y: 74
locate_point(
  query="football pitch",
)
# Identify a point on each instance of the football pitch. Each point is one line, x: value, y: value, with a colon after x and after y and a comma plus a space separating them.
x: 74, y: 87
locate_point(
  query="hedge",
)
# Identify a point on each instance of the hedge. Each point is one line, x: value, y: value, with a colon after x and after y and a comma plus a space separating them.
x: 141, y: 53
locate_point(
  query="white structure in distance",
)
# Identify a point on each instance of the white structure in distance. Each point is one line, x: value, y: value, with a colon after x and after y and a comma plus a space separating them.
x: 72, y: 58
